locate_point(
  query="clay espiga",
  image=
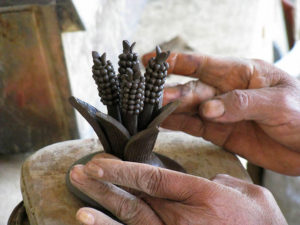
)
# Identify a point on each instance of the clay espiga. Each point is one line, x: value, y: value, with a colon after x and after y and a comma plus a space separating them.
x: 134, y: 110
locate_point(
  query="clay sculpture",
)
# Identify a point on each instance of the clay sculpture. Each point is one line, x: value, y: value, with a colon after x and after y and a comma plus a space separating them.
x: 134, y: 105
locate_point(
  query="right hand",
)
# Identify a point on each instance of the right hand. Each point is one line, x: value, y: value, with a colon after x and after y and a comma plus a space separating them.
x: 249, y: 107
x: 169, y: 197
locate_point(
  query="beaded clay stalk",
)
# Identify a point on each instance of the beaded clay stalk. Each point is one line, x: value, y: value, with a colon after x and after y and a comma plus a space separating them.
x: 107, y: 83
x: 132, y: 87
x: 156, y: 73
x: 132, y: 97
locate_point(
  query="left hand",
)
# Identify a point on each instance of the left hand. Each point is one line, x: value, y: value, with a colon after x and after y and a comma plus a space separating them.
x: 169, y: 197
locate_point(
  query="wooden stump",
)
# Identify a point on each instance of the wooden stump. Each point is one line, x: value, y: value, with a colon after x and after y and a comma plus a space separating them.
x: 48, y: 202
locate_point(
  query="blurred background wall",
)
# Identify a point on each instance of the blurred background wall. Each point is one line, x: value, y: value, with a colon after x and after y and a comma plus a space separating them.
x: 227, y: 27
x: 247, y: 28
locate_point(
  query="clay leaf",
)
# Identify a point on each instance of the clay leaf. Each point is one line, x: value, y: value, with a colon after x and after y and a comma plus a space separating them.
x: 163, y: 113
x: 140, y: 146
x: 89, y: 113
x: 117, y: 134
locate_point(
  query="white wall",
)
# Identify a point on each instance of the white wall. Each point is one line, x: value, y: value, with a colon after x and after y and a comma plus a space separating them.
x: 107, y: 23
x: 214, y: 27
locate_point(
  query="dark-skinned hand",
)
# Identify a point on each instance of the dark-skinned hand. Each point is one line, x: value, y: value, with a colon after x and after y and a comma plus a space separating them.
x: 248, y: 107
x: 163, y: 196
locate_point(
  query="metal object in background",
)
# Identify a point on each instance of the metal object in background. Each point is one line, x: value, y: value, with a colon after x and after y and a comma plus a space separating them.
x: 67, y: 15
x: 34, y: 86
x: 18, y: 216
x: 289, y: 19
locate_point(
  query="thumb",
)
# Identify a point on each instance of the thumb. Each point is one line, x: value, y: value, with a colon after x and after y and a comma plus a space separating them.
x: 237, y: 105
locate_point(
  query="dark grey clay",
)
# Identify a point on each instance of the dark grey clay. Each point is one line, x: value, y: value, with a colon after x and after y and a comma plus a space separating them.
x: 129, y: 130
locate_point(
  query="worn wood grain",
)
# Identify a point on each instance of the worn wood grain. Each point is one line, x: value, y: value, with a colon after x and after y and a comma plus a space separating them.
x: 45, y: 195
x: 34, y: 86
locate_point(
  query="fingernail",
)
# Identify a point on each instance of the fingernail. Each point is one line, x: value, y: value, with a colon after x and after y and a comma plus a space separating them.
x: 75, y: 176
x: 85, y: 217
x: 94, y: 169
x: 213, y: 109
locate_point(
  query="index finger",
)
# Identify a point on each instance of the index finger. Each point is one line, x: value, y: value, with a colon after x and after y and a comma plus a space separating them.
x: 223, y: 73
x: 191, y: 95
x: 154, y: 181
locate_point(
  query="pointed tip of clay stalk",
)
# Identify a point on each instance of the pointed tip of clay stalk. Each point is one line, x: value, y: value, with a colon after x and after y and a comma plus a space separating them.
x: 158, y: 50
x: 162, y: 57
x: 126, y: 46
x: 125, y: 43
x: 95, y: 54
x: 103, y: 57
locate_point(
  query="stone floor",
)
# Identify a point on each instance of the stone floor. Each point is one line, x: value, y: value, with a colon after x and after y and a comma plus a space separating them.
x: 10, y: 193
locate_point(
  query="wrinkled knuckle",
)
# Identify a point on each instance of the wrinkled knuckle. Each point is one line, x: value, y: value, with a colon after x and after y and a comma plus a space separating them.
x: 127, y: 209
x: 286, y: 105
x: 151, y: 182
x: 248, y: 69
x: 262, y: 192
x: 188, y: 87
x: 285, y: 100
x: 240, y: 99
x: 201, y: 66
x: 258, y: 63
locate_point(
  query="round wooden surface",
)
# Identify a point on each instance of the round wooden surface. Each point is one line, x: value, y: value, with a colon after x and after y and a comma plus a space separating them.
x: 43, y: 182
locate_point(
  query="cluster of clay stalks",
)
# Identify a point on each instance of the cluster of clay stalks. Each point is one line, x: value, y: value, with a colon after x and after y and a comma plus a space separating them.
x: 137, y: 97
x: 133, y: 101
x: 130, y: 128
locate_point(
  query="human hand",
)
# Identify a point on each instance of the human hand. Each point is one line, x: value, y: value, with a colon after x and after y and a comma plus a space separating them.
x: 169, y: 197
x: 249, y: 107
